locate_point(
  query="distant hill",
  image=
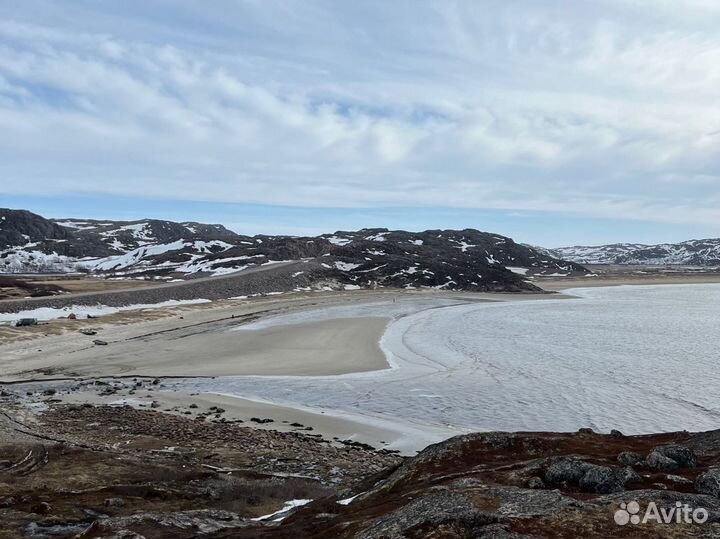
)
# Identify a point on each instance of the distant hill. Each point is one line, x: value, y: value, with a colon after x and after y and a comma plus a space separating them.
x: 442, y: 259
x: 686, y: 253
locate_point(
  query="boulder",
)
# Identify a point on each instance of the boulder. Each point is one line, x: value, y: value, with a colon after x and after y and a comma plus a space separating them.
x: 657, y: 461
x: 630, y: 476
x: 628, y: 458
x: 602, y: 479
x: 569, y: 470
x: 682, y: 454
x: 709, y: 482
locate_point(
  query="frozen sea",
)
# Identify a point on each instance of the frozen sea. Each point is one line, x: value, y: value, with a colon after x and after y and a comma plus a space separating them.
x: 636, y: 358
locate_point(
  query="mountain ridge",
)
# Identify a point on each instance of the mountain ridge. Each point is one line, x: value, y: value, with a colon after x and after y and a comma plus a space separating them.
x: 699, y: 252
x: 465, y: 259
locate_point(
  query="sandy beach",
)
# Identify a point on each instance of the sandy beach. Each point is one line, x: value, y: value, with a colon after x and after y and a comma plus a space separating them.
x: 199, y: 340
x: 211, y: 340
x: 208, y: 341
x: 301, y: 350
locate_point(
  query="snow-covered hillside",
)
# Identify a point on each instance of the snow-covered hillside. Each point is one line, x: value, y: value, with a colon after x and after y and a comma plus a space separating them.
x: 687, y: 253
x: 442, y: 259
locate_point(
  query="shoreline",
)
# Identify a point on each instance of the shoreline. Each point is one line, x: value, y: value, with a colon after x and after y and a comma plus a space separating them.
x: 627, y: 279
x: 347, y: 345
x: 341, y: 428
x: 279, y: 352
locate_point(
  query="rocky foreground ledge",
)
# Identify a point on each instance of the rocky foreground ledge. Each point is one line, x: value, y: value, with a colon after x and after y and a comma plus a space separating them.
x: 96, y: 471
x: 533, y: 485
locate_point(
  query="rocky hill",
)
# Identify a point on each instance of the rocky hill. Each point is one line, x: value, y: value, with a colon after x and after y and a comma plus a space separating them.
x: 687, y: 253
x: 218, y: 479
x: 442, y: 259
x: 529, y: 486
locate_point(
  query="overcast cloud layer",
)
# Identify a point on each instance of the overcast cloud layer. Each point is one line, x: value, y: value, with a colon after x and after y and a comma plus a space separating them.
x: 606, y: 109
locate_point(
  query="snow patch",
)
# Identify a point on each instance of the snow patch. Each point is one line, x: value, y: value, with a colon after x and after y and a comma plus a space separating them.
x: 335, y: 240
x: 346, y: 266
x: 82, y: 311
x: 277, y: 516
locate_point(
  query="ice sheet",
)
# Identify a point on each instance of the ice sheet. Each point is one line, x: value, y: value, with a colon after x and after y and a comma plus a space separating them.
x: 639, y: 359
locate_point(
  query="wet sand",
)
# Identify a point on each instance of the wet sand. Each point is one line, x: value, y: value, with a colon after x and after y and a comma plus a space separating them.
x: 312, y: 349
x: 198, y: 340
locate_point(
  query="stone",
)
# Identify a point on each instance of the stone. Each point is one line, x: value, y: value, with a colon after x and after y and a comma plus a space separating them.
x: 568, y: 470
x: 42, y: 508
x: 535, y: 482
x: 628, y: 458
x: 630, y: 476
x: 657, y: 461
x: 709, y: 482
x: 683, y: 455
x: 602, y: 479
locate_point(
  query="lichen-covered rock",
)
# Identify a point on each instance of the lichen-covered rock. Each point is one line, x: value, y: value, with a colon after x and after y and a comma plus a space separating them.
x: 452, y: 509
x: 657, y: 461
x: 630, y: 476
x: 602, y: 480
x: 683, y: 455
x: 709, y: 483
x: 628, y: 458
x: 565, y: 470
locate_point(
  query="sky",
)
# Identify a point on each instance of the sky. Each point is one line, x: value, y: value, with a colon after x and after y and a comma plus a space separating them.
x: 554, y: 122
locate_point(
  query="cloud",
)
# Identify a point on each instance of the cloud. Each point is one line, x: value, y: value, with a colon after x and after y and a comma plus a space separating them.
x: 502, y: 105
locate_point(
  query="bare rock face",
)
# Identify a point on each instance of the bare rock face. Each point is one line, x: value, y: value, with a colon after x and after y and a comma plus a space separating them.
x: 433, y: 510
